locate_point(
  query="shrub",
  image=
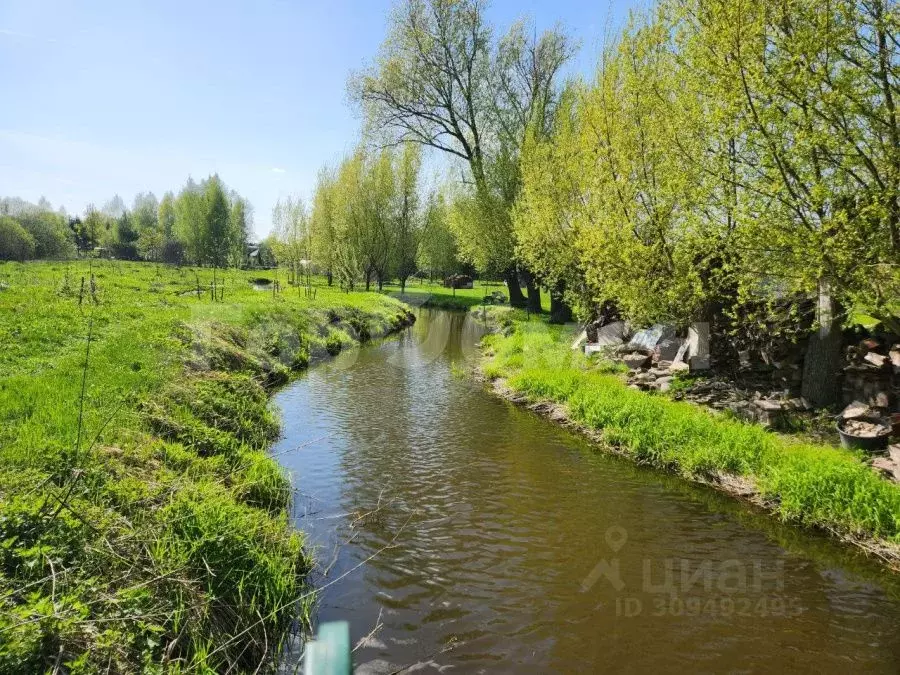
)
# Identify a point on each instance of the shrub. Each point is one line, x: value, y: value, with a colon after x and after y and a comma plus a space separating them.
x: 51, y: 233
x: 15, y: 242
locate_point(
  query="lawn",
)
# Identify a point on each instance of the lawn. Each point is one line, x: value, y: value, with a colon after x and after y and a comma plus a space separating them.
x: 421, y: 292
x: 141, y: 521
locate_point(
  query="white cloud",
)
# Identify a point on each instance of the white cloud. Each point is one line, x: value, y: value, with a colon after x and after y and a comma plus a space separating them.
x: 14, y: 33
x: 276, y: 169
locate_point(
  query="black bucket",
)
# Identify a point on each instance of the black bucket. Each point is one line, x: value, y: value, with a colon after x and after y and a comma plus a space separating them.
x: 866, y: 443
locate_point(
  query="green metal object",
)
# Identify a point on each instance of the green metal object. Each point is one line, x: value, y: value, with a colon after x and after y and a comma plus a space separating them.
x: 329, y: 653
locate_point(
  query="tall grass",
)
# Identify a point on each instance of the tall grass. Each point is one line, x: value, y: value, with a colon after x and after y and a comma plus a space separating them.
x: 810, y: 484
x: 164, y: 543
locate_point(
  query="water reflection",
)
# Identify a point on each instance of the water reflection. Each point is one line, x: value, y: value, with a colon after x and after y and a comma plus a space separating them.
x: 480, y: 535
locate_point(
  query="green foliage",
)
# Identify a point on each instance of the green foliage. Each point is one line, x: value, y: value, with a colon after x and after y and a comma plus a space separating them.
x: 217, y: 232
x: 408, y: 216
x: 51, y: 234
x: 367, y: 219
x: 291, y: 235
x: 729, y: 156
x: 323, y: 223
x: 211, y: 226
x: 442, y: 81
x: 438, y: 252
x: 16, y: 243
x: 160, y: 542
x: 205, y: 224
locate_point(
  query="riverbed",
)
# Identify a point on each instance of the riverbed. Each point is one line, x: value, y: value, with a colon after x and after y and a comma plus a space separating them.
x: 456, y: 532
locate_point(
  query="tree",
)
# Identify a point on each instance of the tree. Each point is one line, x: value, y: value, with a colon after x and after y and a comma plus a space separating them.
x: 150, y: 244
x: 808, y: 92
x: 190, y: 216
x: 166, y: 216
x: 291, y: 235
x: 525, y: 97
x: 115, y: 207
x: 437, y: 247
x: 15, y: 242
x: 322, y: 223
x: 145, y: 220
x: 145, y: 212
x: 81, y: 234
x: 240, y: 225
x: 217, y: 236
x: 546, y: 215
x: 408, y: 217
x: 434, y: 83
x: 266, y: 256
x: 124, y: 238
x: 52, y: 237
x: 376, y: 238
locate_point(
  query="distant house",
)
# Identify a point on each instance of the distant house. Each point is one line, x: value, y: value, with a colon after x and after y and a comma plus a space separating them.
x: 252, y: 258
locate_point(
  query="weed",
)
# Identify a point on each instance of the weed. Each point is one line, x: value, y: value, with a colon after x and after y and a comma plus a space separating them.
x: 163, y: 543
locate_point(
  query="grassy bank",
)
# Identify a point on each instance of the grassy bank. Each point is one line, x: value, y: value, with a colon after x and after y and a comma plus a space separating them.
x: 142, y: 525
x: 429, y: 294
x: 814, y: 485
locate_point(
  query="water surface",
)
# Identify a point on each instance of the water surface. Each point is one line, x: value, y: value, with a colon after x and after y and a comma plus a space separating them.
x: 479, y: 537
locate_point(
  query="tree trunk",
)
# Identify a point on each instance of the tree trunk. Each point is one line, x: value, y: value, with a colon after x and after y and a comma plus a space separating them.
x: 821, y: 384
x: 560, y: 312
x: 516, y: 299
x: 534, y: 295
x: 368, y: 281
x: 402, y: 285
x: 330, y: 277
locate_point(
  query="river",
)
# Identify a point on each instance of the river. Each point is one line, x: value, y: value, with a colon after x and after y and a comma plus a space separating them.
x: 479, y: 537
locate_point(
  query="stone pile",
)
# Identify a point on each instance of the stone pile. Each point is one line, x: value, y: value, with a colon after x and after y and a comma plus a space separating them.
x: 889, y: 464
x: 872, y: 374
x: 753, y: 403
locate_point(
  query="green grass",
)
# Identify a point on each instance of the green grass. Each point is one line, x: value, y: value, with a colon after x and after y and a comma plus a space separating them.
x: 422, y: 292
x: 816, y: 485
x: 159, y: 540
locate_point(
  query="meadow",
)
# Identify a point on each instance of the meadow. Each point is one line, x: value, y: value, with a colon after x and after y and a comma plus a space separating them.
x: 433, y: 294
x: 143, y: 527
x: 809, y: 484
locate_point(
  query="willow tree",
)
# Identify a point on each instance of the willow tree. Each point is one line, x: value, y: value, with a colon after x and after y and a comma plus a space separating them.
x: 640, y: 226
x: 435, y: 83
x: 365, y: 219
x: 374, y: 236
x: 811, y: 91
x: 407, y: 215
x: 349, y: 220
x: 322, y: 223
x: 545, y: 217
x: 292, y: 235
x: 438, y: 252
x: 525, y: 98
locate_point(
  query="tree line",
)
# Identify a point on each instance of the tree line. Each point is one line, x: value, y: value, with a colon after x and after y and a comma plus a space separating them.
x: 204, y: 224
x: 370, y: 221
x: 736, y: 163
x: 728, y: 162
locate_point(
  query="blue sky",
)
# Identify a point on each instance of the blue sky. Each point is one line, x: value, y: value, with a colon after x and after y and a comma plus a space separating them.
x: 120, y: 97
